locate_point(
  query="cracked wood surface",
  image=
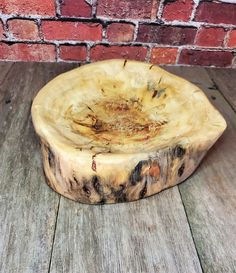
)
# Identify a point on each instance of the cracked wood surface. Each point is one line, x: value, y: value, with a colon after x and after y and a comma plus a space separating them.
x: 169, y: 232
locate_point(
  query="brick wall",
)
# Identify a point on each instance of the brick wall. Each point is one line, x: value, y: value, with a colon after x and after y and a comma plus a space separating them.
x: 189, y: 32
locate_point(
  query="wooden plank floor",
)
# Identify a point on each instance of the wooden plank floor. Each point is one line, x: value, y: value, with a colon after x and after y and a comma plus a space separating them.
x: 188, y: 228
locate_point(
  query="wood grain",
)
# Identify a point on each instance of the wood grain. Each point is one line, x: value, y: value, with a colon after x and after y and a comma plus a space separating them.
x: 5, y: 68
x: 209, y: 196
x: 28, y: 208
x: 141, y: 126
x: 225, y: 81
x: 151, y: 235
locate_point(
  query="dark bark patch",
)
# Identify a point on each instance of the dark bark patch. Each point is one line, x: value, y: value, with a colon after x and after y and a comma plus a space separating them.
x: 86, y: 190
x: 50, y: 184
x: 143, y: 191
x: 136, y: 174
x: 96, y: 184
x: 120, y: 194
x: 51, y: 158
x: 181, y: 170
x: 102, y: 201
x: 90, y: 108
x: 75, y: 179
x: 151, y: 66
x: 179, y: 151
x: 98, y: 125
x: 154, y: 94
x: 71, y: 184
x: 122, y: 198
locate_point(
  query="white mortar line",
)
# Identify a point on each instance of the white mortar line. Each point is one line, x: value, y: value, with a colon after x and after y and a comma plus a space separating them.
x: 228, y: 1
x: 93, y: 43
x: 39, y: 29
x: 94, y: 7
x: 104, y: 34
x: 196, y: 36
x: 178, y: 55
x: 160, y: 9
x: 226, y: 39
x: 136, y: 28
x: 89, y: 45
x: 148, y: 56
x: 196, y: 3
x: 8, y: 34
x: 57, y: 52
x: 32, y: 16
x: 58, y: 7
x: 128, y: 20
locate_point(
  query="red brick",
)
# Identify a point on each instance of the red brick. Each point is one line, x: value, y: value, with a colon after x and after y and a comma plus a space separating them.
x: 210, y: 37
x: 73, y: 52
x: 178, y: 10
x: 163, y: 55
x: 57, y: 30
x: 206, y: 58
x: 76, y: 8
x: 101, y: 52
x: 213, y: 12
x: 23, y: 29
x: 28, y: 7
x: 27, y: 52
x: 168, y: 35
x: 1, y: 31
x: 232, y: 39
x: 139, y: 9
x: 118, y: 32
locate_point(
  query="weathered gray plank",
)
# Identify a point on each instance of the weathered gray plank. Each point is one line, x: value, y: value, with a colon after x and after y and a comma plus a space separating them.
x: 209, y: 196
x: 225, y: 80
x: 148, y: 236
x: 5, y: 67
x: 28, y: 208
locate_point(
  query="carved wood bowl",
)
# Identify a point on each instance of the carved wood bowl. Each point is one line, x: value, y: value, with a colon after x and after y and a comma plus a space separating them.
x: 119, y: 130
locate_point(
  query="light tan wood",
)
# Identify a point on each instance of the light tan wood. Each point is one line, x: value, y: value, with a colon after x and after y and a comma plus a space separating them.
x: 209, y: 196
x: 121, y: 130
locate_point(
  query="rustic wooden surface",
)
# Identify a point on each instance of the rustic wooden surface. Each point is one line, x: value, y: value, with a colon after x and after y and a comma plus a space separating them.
x: 224, y: 80
x: 209, y: 196
x: 28, y: 209
x: 190, y: 228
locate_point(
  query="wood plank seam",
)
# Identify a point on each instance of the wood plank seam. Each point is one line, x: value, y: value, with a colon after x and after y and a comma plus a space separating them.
x: 191, y: 232
x: 206, y: 196
x: 5, y: 76
x: 54, y: 235
x: 218, y: 89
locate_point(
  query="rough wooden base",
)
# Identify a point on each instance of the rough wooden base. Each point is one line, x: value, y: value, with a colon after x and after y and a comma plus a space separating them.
x: 146, y: 177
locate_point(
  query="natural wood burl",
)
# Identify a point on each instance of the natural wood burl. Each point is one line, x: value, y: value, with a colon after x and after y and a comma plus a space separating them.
x: 119, y: 130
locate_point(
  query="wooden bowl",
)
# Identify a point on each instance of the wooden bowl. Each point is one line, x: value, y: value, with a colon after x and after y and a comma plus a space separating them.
x: 120, y: 130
